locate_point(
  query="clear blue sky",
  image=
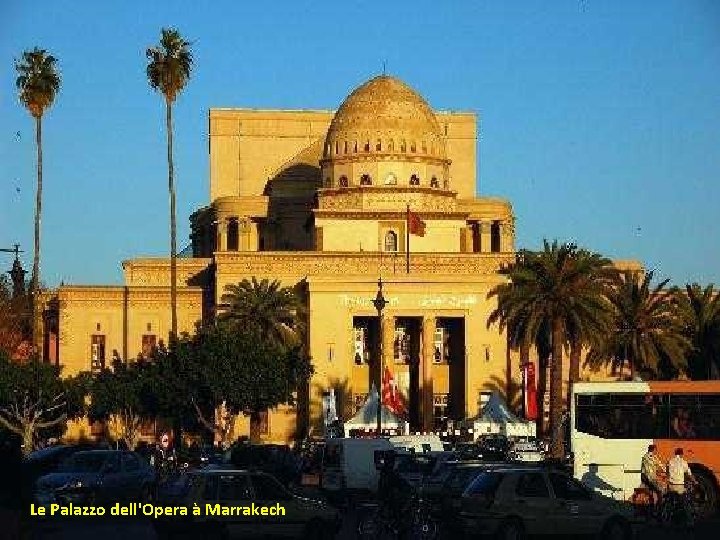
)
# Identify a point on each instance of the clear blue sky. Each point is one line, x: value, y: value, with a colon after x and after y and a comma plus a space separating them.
x: 600, y: 120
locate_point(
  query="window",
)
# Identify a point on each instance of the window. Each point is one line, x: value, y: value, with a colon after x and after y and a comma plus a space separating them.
x: 234, y: 488
x: 336, y: 147
x: 434, y: 182
x: 532, y: 485
x: 391, y: 241
x: 367, y: 146
x: 365, y: 180
x: 495, y: 237
x: 97, y: 352
x: 378, y: 145
x: 424, y: 147
x: 622, y: 416
x: 403, y: 146
x: 401, y: 345
x: 149, y: 342
x: 694, y: 416
x: 440, y: 410
x: 441, y: 348
x: 345, y: 147
x: 414, y: 180
x: 269, y: 489
x: 391, y: 146
x: 343, y: 181
x: 390, y: 180
x: 568, y: 489
x: 485, y: 483
x: 413, y: 148
x: 355, y: 148
x: 233, y: 237
x: 361, y: 346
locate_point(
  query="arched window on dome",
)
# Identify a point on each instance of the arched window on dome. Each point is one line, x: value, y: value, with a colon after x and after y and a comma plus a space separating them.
x: 414, y: 180
x: 367, y: 146
x: 391, y: 146
x: 434, y: 182
x: 403, y: 146
x: 413, y: 147
x: 378, y: 146
x: 365, y: 180
x: 337, y: 147
x: 355, y: 148
x: 391, y: 241
x: 424, y: 147
x: 343, y: 182
x: 345, y: 148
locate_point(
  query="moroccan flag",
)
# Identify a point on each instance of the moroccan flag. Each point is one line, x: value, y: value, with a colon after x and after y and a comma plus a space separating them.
x: 416, y: 225
x: 390, y: 395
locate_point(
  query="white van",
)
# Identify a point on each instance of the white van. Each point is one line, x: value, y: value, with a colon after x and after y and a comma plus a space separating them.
x: 349, y: 464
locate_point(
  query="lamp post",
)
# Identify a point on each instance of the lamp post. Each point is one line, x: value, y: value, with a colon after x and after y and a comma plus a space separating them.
x: 380, y: 304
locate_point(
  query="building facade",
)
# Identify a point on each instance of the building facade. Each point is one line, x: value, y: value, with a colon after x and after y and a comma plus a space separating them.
x: 319, y: 200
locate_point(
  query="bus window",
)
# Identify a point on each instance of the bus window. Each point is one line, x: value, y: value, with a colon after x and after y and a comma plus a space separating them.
x: 622, y: 416
x: 332, y: 456
x: 695, y: 416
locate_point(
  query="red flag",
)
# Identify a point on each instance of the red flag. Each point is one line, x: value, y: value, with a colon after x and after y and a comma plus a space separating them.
x: 416, y: 225
x: 530, y: 391
x: 390, y: 395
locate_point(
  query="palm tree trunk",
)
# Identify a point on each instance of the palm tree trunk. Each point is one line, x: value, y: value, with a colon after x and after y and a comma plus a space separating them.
x: 540, y: 395
x: 35, y: 277
x: 574, y: 374
x: 173, y: 226
x: 556, y: 387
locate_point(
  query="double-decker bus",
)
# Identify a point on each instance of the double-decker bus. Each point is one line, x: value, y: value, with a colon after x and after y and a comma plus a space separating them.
x: 613, y: 423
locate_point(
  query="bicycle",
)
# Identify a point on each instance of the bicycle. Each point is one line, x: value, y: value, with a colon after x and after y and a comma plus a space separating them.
x: 678, y: 509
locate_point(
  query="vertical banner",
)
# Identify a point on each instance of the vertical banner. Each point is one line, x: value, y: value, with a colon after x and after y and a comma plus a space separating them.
x: 529, y: 391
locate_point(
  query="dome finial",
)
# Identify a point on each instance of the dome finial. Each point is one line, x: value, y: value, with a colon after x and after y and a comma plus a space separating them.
x: 384, y: 67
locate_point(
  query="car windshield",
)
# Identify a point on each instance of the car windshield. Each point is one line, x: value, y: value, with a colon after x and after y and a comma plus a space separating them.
x: 45, y: 452
x: 485, y: 483
x: 81, y: 462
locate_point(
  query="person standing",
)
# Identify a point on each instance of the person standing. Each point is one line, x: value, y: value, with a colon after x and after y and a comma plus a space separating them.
x: 164, y: 458
x: 652, y: 472
x: 678, y: 473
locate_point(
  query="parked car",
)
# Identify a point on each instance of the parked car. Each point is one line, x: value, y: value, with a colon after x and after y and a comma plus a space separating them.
x: 513, y: 502
x: 45, y: 461
x: 424, y: 468
x: 460, y: 475
x: 275, y: 459
x: 97, y: 476
x: 527, y: 450
x: 494, y: 448
x: 227, y: 486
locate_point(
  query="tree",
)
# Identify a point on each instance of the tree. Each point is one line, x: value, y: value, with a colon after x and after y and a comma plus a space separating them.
x: 238, y: 370
x: 700, y: 311
x: 551, y: 288
x: 38, y: 83
x: 119, y: 396
x: 34, y: 399
x: 168, y: 71
x: 15, y: 319
x: 266, y: 307
x: 647, y: 330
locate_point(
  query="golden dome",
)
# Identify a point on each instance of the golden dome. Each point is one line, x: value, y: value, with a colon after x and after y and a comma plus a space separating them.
x: 384, y: 116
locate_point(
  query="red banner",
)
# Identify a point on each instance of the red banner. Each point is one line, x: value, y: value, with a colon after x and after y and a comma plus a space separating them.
x: 530, y: 391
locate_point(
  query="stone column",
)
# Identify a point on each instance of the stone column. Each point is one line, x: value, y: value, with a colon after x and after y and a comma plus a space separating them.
x: 507, y: 235
x: 468, y: 239
x: 425, y: 382
x: 243, y: 234
x: 223, y: 224
x: 254, y: 244
x: 485, y: 236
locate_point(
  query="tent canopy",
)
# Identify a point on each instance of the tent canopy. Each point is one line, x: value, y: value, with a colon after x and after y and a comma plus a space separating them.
x: 495, y: 417
x: 366, y: 417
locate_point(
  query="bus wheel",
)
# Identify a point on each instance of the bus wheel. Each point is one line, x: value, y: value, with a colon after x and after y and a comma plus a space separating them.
x: 705, y: 498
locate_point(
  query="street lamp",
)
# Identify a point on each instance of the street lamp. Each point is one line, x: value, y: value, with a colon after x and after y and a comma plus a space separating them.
x: 380, y: 304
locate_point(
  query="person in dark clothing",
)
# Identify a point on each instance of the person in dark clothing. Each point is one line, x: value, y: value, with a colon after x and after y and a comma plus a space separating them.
x: 164, y: 458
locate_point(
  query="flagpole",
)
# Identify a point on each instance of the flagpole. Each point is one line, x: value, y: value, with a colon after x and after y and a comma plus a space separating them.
x: 407, y: 240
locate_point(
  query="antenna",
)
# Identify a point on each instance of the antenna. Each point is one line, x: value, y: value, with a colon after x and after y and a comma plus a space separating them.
x: 384, y: 66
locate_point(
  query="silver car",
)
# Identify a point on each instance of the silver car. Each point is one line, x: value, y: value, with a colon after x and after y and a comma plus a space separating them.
x: 512, y: 503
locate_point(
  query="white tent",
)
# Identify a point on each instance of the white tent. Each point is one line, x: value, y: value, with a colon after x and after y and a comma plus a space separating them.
x: 366, y: 417
x: 497, y: 418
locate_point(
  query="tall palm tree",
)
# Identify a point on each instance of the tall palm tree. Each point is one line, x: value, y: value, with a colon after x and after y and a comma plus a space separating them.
x: 647, y: 329
x: 168, y: 71
x: 700, y: 310
x: 552, y: 287
x: 37, y: 83
x: 273, y: 310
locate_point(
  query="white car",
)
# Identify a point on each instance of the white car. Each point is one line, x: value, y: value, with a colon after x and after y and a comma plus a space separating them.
x: 527, y: 451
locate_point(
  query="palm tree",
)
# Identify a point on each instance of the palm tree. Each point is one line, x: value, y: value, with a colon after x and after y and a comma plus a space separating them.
x: 553, y: 287
x: 38, y: 83
x: 273, y: 310
x: 701, y: 316
x: 647, y: 330
x: 168, y: 72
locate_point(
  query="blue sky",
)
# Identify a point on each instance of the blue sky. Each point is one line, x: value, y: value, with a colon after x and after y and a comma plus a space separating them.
x: 600, y: 120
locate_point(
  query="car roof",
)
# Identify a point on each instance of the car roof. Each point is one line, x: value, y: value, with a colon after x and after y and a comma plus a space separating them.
x: 223, y: 468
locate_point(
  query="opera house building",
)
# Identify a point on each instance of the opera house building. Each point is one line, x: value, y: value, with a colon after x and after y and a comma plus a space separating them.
x: 319, y: 199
